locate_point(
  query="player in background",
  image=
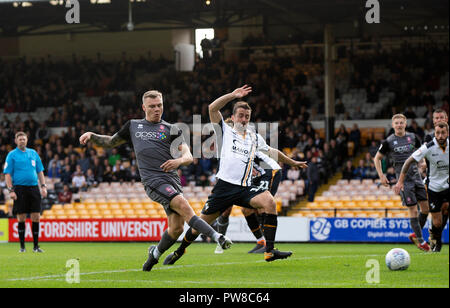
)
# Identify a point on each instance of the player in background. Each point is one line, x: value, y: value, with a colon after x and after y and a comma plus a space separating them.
x: 237, y: 148
x: 267, y: 175
x: 153, y: 139
x: 439, y: 115
x: 400, y: 146
x: 436, y: 152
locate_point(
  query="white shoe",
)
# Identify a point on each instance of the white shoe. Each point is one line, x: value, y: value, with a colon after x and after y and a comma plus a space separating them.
x: 219, y: 249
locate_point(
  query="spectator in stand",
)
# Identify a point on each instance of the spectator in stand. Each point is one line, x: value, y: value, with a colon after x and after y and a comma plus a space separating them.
x: 409, y: 113
x: 108, y: 174
x: 347, y: 173
x: 373, y: 148
x: 90, y: 179
x: 54, y: 171
x: 182, y: 178
x: 66, y: 175
x: 371, y: 172
x: 84, y: 162
x: 118, y: 170
x: 79, y: 180
x: 66, y: 195
x: 114, y: 157
x: 416, y: 129
x: 133, y: 175
x: 355, y: 136
x: 360, y: 172
x: 2, y: 188
x: 313, y: 178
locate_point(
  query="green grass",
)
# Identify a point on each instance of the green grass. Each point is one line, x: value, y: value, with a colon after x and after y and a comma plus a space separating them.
x: 312, y: 265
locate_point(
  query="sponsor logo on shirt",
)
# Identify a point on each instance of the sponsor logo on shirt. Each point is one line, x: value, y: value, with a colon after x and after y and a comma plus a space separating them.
x: 404, y: 149
x: 150, y: 135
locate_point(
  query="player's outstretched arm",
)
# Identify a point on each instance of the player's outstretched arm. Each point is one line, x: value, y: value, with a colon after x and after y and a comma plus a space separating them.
x: 377, y: 161
x: 102, y: 140
x: 281, y: 157
x: 215, y: 107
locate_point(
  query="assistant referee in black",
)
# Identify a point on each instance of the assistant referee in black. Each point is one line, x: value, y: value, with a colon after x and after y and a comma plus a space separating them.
x: 23, y: 169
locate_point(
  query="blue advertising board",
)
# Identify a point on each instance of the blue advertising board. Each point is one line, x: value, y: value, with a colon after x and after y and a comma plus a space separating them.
x: 386, y: 230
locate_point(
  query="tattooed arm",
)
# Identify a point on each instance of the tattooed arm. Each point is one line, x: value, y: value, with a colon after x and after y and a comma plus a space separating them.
x: 102, y: 140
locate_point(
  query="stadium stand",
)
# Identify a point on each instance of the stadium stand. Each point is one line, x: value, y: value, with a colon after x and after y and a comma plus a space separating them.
x: 71, y: 100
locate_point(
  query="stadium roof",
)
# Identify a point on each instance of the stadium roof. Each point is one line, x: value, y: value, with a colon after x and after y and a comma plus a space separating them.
x: 27, y: 18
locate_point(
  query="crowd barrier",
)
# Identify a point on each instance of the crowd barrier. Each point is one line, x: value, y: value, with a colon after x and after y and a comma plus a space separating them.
x: 290, y: 229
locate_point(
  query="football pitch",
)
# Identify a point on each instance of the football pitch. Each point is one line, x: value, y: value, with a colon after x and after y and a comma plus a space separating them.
x: 118, y: 265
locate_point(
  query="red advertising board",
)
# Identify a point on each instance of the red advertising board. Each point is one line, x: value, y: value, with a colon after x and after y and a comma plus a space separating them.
x: 93, y: 230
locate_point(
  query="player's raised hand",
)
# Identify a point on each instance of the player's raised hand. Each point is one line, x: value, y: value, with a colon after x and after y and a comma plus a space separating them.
x: 243, y: 91
x: 85, y: 138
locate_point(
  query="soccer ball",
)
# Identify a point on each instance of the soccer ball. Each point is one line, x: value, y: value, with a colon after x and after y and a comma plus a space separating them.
x: 397, y: 259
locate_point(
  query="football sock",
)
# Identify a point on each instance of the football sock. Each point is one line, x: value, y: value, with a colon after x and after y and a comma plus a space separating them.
x: 187, y: 240
x: 437, y: 232
x: 222, y: 224
x: 253, y: 224
x: 422, y: 219
x: 444, y: 221
x: 35, y: 230
x: 201, y: 226
x: 165, y: 243
x: 21, y: 230
x: 417, y: 229
x: 270, y: 230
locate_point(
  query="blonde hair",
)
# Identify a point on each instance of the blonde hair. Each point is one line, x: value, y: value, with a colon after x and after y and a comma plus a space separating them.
x: 152, y: 94
x: 18, y: 134
x: 398, y: 116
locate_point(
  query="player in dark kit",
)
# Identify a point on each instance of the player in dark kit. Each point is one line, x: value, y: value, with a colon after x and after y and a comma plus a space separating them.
x: 400, y: 146
x: 153, y: 141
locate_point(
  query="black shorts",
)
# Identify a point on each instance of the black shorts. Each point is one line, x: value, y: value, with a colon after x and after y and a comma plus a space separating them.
x: 436, y: 200
x: 28, y: 200
x: 225, y: 195
x: 413, y: 191
x: 269, y: 180
x: 163, y: 194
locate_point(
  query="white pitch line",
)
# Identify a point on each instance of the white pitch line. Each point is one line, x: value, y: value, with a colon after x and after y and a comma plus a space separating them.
x: 184, y: 266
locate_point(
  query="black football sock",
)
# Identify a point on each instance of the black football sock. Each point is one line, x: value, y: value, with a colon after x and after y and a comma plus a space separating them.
x: 422, y: 219
x: 253, y: 224
x: 187, y: 240
x: 201, y: 226
x: 21, y: 230
x: 270, y: 230
x: 437, y: 232
x: 444, y: 221
x: 165, y: 243
x: 222, y: 224
x: 35, y: 230
x: 417, y: 229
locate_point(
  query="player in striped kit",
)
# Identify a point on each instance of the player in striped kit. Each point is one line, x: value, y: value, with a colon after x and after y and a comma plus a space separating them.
x: 436, y: 152
x: 237, y: 148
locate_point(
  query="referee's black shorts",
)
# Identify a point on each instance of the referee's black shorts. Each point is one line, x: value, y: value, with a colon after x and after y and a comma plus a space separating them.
x: 28, y: 200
